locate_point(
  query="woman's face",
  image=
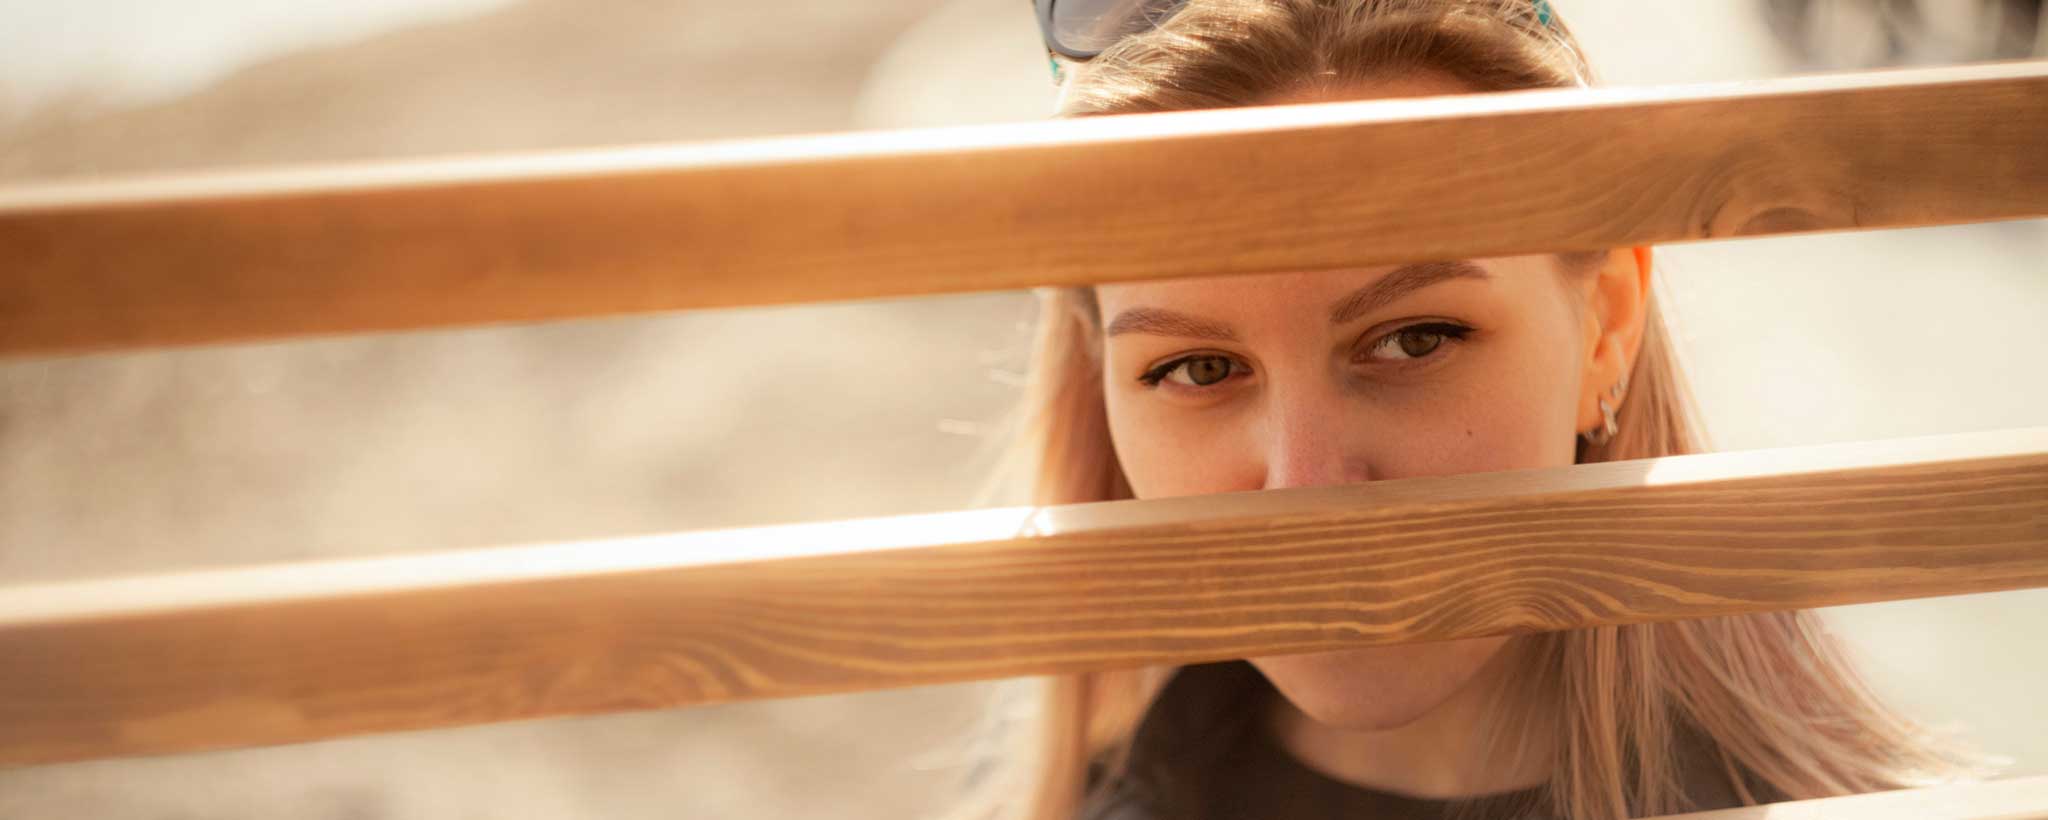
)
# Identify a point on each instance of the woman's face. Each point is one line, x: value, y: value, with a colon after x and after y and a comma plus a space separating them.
x: 1309, y: 379
x: 1305, y: 379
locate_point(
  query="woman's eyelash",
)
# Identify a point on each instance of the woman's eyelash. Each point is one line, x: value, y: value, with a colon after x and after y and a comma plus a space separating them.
x: 1448, y: 330
x: 1428, y: 339
x: 1153, y: 377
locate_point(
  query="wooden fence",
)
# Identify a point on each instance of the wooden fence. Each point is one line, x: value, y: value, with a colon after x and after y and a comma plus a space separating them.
x: 214, y: 659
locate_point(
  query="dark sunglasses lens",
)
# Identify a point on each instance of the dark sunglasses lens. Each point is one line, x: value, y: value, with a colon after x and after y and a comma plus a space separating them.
x: 1093, y: 25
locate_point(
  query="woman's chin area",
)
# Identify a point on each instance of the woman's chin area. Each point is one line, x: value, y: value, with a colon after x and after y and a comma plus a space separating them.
x: 1378, y: 688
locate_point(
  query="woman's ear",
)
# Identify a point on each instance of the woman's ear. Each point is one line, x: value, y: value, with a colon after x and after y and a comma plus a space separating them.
x: 1618, y: 302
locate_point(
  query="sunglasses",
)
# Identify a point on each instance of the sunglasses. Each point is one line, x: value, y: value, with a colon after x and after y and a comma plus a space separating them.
x: 1081, y: 29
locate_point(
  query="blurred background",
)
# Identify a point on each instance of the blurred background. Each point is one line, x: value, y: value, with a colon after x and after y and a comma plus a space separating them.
x: 143, y: 462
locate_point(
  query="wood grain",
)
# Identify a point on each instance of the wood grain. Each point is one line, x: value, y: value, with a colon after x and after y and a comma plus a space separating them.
x: 2017, y: 799
x: 516, y: 239
x: 290, y: 653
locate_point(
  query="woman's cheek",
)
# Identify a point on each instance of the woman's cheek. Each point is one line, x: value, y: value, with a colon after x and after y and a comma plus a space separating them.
x: 1168, y: 451
x: 1141, y: 439
x: 1495, y: 418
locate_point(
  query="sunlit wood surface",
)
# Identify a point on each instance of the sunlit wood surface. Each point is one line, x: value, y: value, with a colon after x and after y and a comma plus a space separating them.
x: 298, y: 652
x: 2019, y: 799
x: 469, y: 241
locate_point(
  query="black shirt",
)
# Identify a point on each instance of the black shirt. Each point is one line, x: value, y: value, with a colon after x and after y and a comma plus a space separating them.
x: 1201, y: 754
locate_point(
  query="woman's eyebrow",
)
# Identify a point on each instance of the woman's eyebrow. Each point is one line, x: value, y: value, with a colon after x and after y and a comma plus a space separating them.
x: 1398, y: 283
x: 1169, y: 323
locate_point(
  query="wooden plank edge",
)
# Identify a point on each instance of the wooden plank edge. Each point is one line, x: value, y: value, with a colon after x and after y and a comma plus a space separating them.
x: 266, y: 584
x: 286, y: 654
x: 98, y: 266
x: 295, y: 181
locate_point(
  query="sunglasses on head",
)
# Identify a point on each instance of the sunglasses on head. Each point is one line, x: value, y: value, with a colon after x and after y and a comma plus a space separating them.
x: 1081, y: 29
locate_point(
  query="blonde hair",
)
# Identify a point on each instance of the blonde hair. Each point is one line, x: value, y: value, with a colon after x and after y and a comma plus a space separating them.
x: 1774, y: 694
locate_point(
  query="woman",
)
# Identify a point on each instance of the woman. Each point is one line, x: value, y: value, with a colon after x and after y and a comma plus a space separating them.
x: 1297, y: 379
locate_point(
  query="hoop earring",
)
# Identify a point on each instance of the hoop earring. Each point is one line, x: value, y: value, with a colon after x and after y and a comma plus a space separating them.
x: 1608, y: 426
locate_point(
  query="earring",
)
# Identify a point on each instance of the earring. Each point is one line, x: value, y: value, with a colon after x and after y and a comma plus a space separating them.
x: 1608, y: 426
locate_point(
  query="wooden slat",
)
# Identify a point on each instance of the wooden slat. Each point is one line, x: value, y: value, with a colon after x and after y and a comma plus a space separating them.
x: 2018, y: 799
x: 209, y: 259
x: 298, y: 652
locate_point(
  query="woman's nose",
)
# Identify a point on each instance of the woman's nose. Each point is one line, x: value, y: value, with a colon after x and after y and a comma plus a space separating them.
x: 1308, y: 443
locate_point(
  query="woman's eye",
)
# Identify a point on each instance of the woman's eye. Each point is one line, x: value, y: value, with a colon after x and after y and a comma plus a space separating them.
x: 1415, y: 341
x: 1193, y: 371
